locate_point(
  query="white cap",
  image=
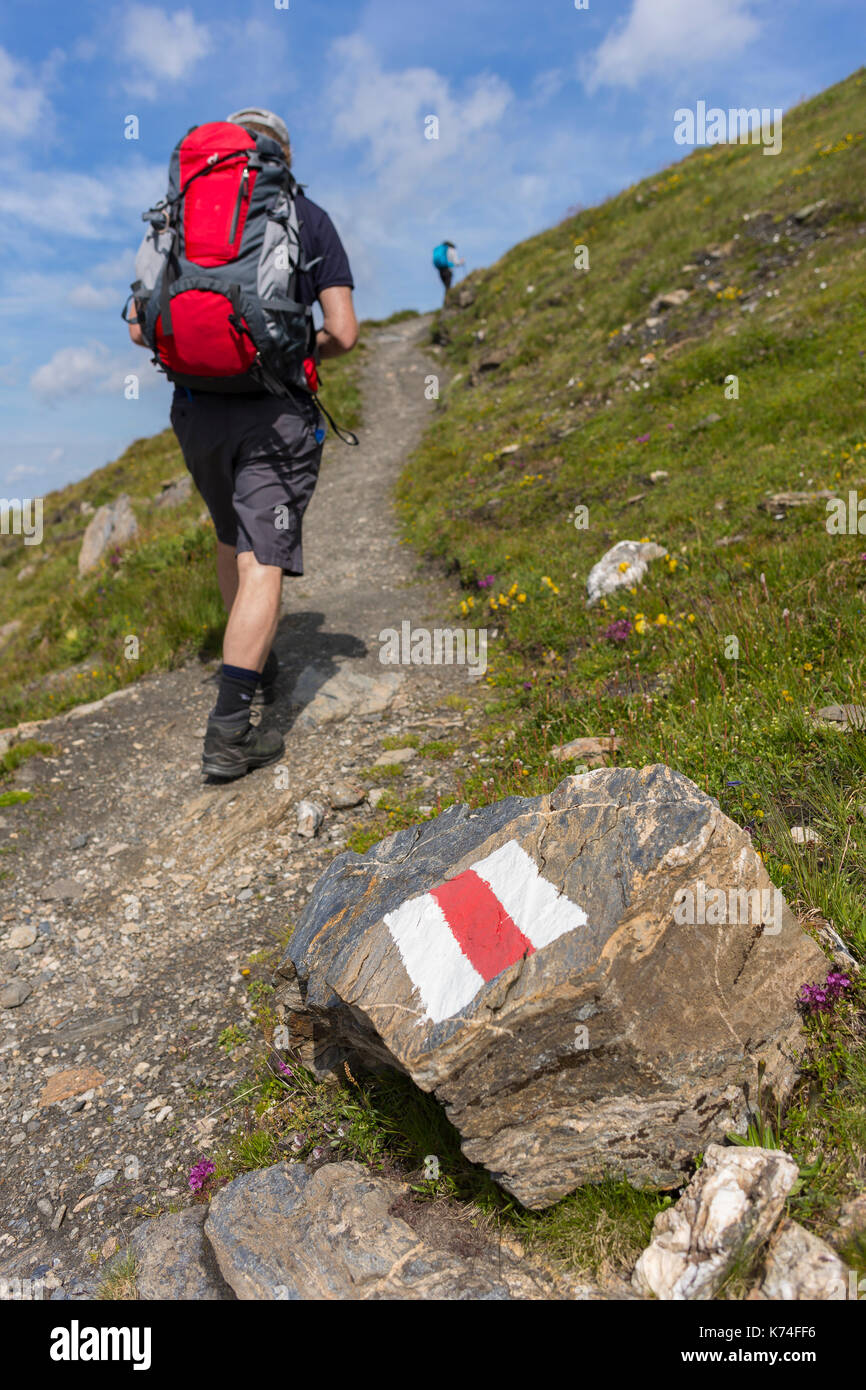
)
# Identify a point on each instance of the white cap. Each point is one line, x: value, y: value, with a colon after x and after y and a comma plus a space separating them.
x: 257, y: 115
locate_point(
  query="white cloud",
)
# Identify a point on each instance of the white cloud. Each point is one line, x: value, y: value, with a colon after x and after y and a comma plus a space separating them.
x: 659, y: 36
x: 91, y: 369
x: 23, y: 103
x: 385, y: 111
x: 89, y: 297
x: 67, y: 204
x: 164, y: 45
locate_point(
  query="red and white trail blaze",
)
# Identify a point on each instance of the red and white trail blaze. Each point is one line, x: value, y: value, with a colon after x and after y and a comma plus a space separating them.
x: 465, y: 932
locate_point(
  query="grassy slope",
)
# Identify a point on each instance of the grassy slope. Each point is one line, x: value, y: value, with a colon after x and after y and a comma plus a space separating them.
x: 162, y: 589
x: 785, y: 313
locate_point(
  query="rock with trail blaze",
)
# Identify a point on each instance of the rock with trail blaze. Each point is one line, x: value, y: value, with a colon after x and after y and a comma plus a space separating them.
x: 527, y: 962
x: 112, y: 524
x: 624, y: 565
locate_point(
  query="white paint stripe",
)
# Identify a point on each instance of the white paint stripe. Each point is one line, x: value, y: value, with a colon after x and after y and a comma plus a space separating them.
x: 532, y: 903
x: 444, y: 977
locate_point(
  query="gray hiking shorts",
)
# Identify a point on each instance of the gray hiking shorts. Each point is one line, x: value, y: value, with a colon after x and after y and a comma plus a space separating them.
x: 255, y: 461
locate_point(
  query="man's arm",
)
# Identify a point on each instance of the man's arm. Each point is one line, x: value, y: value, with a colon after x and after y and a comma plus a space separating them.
x: 134, y: 327
x: 339, y: 332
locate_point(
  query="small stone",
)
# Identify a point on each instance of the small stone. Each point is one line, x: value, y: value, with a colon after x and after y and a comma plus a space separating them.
x: 310, y: 816
x: 671, y: 300
x: 607, y: 575
x: 342, y: 795
x: 804, y: 835
x: 846, y: 716
x: 393, y: 757
x: 21, y: 937
x: 106, y: 1176
x: 73, y: 1081
x: 659, y: 475
x: 44, y: 1206
x: 80, y: 840
x: 14, y: 994
x: 57, y: 1219
x: 593, y: 751
x: 62, y: 888
x: 799, y: 1265
x: 109, y: 1247
x: 375, y: 794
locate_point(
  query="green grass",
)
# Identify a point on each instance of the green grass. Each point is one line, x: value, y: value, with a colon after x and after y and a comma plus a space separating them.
x: 732, y: 647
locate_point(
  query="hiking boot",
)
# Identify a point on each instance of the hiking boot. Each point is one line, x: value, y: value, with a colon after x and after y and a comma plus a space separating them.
x: 231, y: 751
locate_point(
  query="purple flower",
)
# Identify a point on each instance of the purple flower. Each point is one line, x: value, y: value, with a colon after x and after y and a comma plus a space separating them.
x: 286, y: 1071
x: 318, y: 1153
x: 618, y: 631
x: 527, y: 685
x: 486, y: 582
x: 821, y: 999
x: 642, y: 439
x: 298, y: 1142
x: 200, y: 1173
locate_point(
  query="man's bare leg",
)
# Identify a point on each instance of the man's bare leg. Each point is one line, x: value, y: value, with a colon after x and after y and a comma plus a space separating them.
x: 254, y: 614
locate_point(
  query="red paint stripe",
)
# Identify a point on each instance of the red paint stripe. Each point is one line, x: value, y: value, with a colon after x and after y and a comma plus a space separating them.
x: 483, y: 929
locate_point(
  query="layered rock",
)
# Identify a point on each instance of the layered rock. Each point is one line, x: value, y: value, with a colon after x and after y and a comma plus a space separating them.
x: 533, y: 964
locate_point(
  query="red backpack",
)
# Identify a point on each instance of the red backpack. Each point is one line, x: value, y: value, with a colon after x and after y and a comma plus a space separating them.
x: 216, y: 273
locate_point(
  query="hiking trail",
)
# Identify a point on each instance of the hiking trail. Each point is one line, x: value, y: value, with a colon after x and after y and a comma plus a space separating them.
x: 146, y: 890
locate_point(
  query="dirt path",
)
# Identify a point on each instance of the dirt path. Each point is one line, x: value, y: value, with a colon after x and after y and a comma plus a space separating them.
x: 145, y: 890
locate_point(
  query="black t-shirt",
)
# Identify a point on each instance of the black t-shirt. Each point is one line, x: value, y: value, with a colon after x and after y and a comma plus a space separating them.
x: 319, y: 238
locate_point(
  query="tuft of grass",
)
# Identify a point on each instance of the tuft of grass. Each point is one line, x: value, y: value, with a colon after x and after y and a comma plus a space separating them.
x: 119, y: 1283
x: 20, y: 752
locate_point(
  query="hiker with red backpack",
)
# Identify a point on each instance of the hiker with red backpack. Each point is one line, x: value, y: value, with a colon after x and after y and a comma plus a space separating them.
x: 227, y: 275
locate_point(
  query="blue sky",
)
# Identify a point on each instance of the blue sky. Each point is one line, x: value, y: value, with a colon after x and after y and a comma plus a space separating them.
x: 541, y: 106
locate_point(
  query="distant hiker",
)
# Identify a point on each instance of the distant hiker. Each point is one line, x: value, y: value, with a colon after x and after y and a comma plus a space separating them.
x: 445, y: 259
x: 227, y: 274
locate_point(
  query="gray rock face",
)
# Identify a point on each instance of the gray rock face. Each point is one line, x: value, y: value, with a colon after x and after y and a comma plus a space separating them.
x: 174, y: 1261
x: 174, y: 493
x: 608, y: 574
x: 112, y: 524
x: 346, y: 692
x: 725, y: 1214
x: 290, y: 1233
x: 533, y: 964
x: 801, y: 1265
